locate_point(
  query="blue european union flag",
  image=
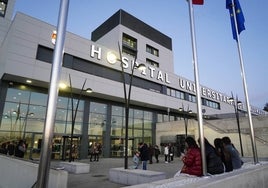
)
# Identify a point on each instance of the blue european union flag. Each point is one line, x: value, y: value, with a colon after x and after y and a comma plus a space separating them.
x: 239, y: 17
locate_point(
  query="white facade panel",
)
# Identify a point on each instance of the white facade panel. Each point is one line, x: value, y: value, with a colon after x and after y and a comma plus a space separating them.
x: 27, y: 33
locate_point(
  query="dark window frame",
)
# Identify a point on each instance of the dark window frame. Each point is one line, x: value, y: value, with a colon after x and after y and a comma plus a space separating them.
x: 3, y: 4
x: 152, y: 50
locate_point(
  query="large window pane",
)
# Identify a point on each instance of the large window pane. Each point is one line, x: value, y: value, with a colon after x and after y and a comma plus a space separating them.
x: 148, y: 115
x: 138, y: 123
x: 117, y: 121
x: 39, y: 99
x: 97, y: 118
x: 147, y: 125
x: 18, y: 96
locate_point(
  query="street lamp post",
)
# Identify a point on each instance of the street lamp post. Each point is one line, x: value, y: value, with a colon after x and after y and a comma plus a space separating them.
x: 127, y: 102
x: 74, y: 112
x: 236, y: 103
x: 112, y: 59
x: 185, y: 119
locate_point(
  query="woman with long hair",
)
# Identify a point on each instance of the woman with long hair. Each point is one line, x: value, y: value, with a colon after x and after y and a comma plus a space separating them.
x: 192, y: 161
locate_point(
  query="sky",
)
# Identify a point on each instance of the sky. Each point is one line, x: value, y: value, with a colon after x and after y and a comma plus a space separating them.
x: 217, y: 52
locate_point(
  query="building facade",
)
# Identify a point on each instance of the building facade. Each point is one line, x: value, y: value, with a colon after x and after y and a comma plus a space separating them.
x: 157, y: 93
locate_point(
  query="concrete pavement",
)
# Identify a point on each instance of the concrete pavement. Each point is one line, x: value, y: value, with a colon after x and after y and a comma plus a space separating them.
x: 99, y: 172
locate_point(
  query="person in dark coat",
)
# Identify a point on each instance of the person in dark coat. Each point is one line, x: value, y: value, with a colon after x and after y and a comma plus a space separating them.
x: 11, y: 148
x: 232, y: 152
x: 225, y: 156
x: 192, y: 160
x: 214, y: 162
x: 171, y: 152
x: 3, y: 149
x: 156, y: 153
x: 151, y: 153
x: 20, y: 149
x: 144, y: 155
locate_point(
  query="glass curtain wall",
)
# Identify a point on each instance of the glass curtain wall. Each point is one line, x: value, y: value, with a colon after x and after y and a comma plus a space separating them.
x: 24, y: 117
x: 140, y: 130
x: 97, y: 125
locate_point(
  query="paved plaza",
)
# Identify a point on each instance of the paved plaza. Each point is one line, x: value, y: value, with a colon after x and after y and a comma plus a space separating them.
x: 99, y: 172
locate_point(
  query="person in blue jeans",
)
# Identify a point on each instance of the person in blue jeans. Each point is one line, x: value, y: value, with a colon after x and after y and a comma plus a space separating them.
x: 144, y: 154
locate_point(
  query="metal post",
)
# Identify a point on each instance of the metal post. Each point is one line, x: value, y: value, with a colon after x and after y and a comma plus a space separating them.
x: 253, y: 143
x: 74, y: 113
x: 185, y: 119
x: 127, y: 98
x: 239, y: 131
x: 44, y: 165
x: 127, y: 104
x: 198, y: 95
x: 186, y: 125
x: 235, y: 104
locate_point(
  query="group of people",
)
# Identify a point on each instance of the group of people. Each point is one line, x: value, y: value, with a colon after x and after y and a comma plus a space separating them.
x: 12, y: 149
x: 220, y: 158
x: 95, y: 151
x: 145, y: 153
x: 169, y: 153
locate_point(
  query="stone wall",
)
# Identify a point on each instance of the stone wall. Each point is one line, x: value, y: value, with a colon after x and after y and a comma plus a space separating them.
x: 220, y: 128
x: 17, y: 173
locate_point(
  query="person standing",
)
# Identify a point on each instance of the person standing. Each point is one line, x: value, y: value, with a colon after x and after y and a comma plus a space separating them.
x: 156, y: 153
x: 144, y: 155
x: 136, y: 160
x: 171, y: 151
x: 92, y: 151
x: 20, y: 149
x: 151, y: 153
x: 98, y: 150
x: 74, y: 154
x: 166, y: 153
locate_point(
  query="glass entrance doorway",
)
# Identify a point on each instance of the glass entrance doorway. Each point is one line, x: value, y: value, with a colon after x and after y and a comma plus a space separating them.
x: 35, y: 146
x: 94, y: 140
x: 118, y: 147
x: 67, y: 147
x: 61, y: 146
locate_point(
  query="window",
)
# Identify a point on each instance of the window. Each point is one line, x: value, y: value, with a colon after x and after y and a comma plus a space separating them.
x: 129, y: 45
x: 179, y: 95
x: 3, y: 7
x: 151, y: 62
x: 175, y: 93
x: 129, y: 41
x: 192, y: 98
x: 97, y: 118
x: 210, y: 104
x: 168, y: 91
x: 44, y: 54
x: 152, y: 50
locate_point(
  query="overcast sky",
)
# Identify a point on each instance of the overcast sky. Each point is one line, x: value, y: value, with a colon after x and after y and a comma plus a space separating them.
x: 218, y: 59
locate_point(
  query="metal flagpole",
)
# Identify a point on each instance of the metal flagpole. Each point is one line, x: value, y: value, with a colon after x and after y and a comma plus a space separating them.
x: 44, y: 165
x: 254, y: 150
x: 198, y: 96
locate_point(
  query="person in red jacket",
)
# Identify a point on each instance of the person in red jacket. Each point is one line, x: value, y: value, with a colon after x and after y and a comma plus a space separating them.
x: 192, y: 159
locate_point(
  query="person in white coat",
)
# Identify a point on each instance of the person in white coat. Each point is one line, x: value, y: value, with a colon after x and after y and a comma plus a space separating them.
x: 166, y: 153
